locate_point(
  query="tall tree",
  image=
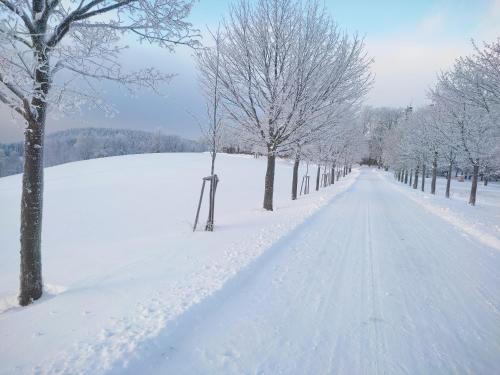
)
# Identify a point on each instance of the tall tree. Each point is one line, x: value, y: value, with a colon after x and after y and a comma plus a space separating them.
x: 268, y: 71
x: 465, y: 94
x: 379, y: 124
x: 209, y: 67
x: 41, y: 39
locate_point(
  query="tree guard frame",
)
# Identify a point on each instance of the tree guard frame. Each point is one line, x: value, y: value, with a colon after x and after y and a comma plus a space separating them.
x: 214, y: 181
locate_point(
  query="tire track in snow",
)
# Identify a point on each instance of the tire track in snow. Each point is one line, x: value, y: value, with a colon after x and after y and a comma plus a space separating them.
x: 376, y: 315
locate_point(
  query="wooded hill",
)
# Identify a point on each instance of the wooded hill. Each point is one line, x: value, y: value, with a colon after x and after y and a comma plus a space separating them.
x: 90, y: 143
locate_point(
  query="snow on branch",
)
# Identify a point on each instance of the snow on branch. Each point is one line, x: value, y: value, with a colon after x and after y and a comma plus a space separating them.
x: 286, y: 71
x: 51, y: 48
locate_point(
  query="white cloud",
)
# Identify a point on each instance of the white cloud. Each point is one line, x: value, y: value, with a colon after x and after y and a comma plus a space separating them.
x: 407, y: 62
x: 489, y: 25
x: 432, y: 23
x: 406, y: 66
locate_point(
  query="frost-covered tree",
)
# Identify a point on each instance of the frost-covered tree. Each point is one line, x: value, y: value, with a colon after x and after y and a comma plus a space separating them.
x: 276, y: 56
x: 446, y: 139
x: 2, y: 162
x: 460, y: 127
x: 209, y: 71
x: 468, y: 95
x: 50, y: 53
x: 379, y: 124
x: 333, y: 77
x: 426, y: 141
x: 336, y: 150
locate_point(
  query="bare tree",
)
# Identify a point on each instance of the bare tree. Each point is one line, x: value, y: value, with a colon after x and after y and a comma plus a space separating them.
x: 333, y: 77
x: 464, y: 94
x: 269, y: 71
x: 461, y: 126
x: 80, y: 39
x: 425, y: 124
x: 446, y: 137
x: 379, y: 124
x: 209, y: 67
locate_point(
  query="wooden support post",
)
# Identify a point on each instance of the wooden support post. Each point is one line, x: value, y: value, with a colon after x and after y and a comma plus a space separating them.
x: 199, y: 205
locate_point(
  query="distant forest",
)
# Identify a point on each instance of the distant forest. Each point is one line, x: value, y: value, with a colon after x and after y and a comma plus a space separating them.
x: 90, y: 143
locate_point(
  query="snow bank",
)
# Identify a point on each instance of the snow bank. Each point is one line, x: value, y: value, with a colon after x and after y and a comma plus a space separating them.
x: 120, y: 259
x: 481, y: 222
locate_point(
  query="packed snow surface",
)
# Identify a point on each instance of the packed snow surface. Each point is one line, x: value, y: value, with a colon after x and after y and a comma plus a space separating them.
x: 121, y: 262
x: 359, y: 277
x: 481, y: 221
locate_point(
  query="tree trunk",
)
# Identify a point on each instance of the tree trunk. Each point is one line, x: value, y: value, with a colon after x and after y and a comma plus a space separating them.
x: 332, y: 179
x: 269, y: 181
x: 423, y: 177
x: 434, y: 174
x: 411, y: 176
x: 31, y: 285
x: 415, y: 180
x: 31, y: 215
x: 448, y: 179
x: 317, y: 177
x: 406, y: 176
x: 473, y: 189
x: 295, y: 176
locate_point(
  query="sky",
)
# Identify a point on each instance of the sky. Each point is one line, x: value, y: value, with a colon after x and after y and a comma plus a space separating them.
x: 411, y: 41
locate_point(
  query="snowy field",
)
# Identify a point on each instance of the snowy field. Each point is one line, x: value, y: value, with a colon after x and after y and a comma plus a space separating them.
x: 120, y: 259
x: 362, y: 277
x: 366, y: 276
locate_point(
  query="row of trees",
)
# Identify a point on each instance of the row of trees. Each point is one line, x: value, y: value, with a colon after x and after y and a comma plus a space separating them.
x: 89, y: 143
x: 460, y: 128
x: 285, y: 80
x: 281, y: 74
x: 11, y: 159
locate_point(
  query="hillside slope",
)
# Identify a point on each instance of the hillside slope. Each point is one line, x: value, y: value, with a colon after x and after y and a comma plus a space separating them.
x: 90, y: 143
x: 120, y: 259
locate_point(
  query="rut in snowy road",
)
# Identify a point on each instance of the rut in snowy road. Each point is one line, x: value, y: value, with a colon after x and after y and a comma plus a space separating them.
x: 372, y: 284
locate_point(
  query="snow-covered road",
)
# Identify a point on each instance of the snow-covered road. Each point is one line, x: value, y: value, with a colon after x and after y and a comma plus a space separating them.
x: 371, y: 284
